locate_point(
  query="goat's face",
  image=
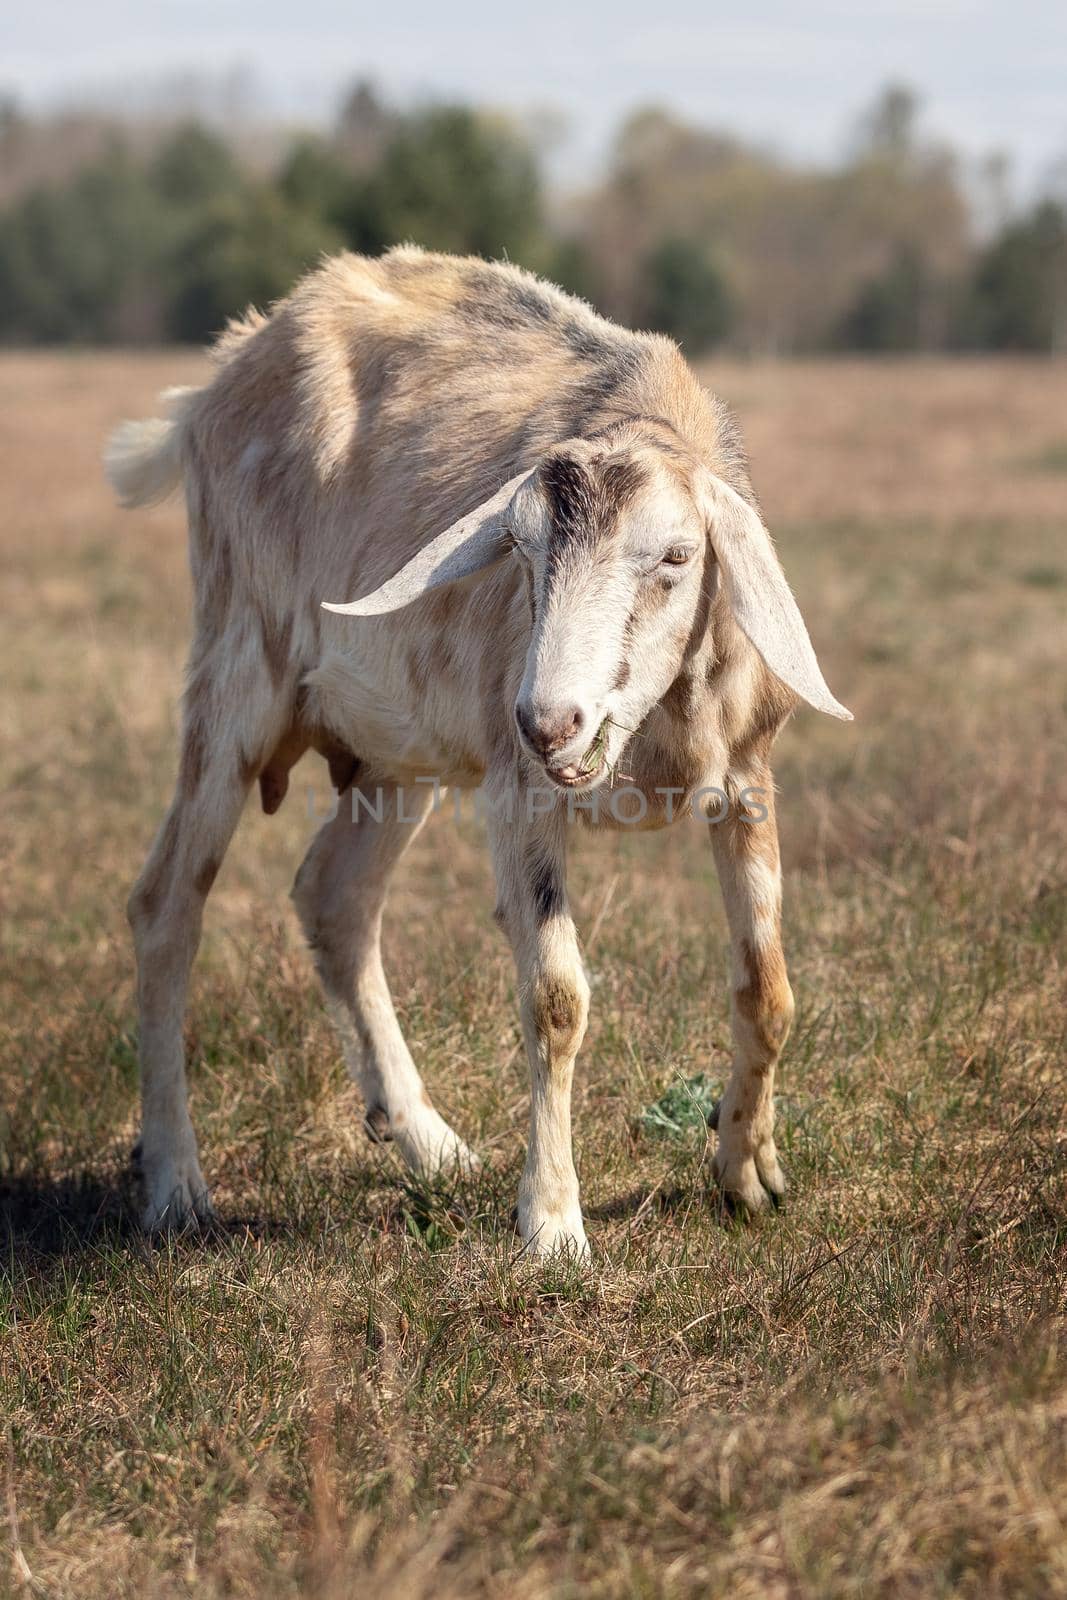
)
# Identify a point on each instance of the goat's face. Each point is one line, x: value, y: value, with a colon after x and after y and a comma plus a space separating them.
x: 622, y: 548
x: 614, y: 551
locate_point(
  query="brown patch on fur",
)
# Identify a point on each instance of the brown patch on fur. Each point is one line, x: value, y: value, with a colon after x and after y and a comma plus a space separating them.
x: 765, y: 999
x: 652, y: 597
x: 629, y: 628
x: 659, y: 430
x: 559, y: 1016
x: 622, y: 479
x: 301, y: 736
x: 756, y: 840
x: 727, y: 636
x: 572, y: 498
x: 585, y: 500
x: 622, y: 677
x: 678, y: 701
x: 772, y: 704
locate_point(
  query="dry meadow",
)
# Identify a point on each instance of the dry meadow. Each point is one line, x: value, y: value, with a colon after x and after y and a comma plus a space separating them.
x: 359, y: 1387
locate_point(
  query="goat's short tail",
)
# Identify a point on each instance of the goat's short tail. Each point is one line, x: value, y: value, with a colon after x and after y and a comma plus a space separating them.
x: 143, y: 460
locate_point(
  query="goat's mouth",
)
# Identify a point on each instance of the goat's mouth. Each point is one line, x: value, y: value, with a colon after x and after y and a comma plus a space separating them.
x: 579, y: 774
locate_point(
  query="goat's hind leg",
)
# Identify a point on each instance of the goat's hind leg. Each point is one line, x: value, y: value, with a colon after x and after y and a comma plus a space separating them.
x: 165, y: 911
x: 340, y: 894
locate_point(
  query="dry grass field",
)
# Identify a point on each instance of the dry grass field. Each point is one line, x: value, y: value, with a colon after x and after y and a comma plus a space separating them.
x: 358, y: 1388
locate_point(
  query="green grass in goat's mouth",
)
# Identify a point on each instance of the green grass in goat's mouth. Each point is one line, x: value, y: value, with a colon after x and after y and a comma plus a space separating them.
x: 596, y: 752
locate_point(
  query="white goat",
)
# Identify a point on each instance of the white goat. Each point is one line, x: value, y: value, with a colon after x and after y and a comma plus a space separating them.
x: 608, y: 572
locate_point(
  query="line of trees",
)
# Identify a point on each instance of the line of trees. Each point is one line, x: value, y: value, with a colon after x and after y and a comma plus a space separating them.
x: 114, y: 234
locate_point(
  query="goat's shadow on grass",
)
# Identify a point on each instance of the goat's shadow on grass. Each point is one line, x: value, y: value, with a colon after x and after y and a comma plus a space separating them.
x: 45, y: 1220
x: 704, y: 1199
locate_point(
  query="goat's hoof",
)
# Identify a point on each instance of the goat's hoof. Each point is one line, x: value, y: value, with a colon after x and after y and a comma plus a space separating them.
x: 750, y: 1183
x: 770, y: 1173
x: 376, y: 1126
x: 555, y: 1236
x: 431, y: 1149
x: 194, y: 1217
x: 178, y: 1203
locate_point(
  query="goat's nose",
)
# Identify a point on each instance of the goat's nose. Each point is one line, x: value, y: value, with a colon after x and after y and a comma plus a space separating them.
x: 550, y: 730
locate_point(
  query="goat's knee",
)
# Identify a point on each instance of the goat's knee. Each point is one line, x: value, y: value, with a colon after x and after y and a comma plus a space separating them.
x: 560, y: 1008
x: 148, y: 894
x: 305, y: 895
x: 139, y: 907
x: 765, y: 1019
x: 321, y: 891
x: 763, y: 1003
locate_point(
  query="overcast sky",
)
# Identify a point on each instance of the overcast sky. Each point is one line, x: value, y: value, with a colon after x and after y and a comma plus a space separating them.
x: 993, y: 74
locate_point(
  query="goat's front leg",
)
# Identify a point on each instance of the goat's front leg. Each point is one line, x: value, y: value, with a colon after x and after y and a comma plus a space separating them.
x: 746, y: 856
x: 530, y: 865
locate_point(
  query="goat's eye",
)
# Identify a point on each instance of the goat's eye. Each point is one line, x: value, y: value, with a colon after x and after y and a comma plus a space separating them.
x: 677, y: 555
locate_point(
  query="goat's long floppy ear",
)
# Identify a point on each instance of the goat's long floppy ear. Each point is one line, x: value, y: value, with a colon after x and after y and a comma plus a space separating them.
x: 760, y: 598
x: 474, y: 542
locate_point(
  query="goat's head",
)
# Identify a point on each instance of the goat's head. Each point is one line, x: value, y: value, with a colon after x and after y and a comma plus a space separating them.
x: 622, y: 545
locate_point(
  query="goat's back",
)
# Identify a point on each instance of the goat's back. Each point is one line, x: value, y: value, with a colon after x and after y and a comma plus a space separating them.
x: 383, y: 399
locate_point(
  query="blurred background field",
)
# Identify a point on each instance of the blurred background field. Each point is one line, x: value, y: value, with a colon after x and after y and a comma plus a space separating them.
x: 359, y: 1388
x: 141, y: 228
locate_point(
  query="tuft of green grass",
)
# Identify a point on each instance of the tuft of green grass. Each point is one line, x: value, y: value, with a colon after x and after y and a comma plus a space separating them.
x: 688, y: 1103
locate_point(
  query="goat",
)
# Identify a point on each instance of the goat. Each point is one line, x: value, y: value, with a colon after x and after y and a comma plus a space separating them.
x: 603, y: 570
